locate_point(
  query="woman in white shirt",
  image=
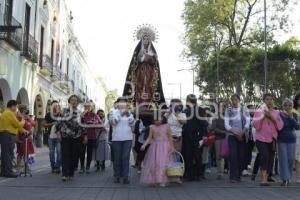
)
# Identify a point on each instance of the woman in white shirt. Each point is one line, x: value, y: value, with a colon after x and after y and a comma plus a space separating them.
x: 176, y: 119
x: 122, y: 122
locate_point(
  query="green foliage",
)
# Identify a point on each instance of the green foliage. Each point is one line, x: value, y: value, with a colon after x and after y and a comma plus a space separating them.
x: 110, y: 99
x: 236, y: 28
x: 246, y: 66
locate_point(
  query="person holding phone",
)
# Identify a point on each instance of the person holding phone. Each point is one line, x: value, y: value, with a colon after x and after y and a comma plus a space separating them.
x: 176, y: 119
x: 268, y: 123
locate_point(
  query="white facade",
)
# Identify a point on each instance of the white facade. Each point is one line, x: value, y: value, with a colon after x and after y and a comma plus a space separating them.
x: 56, y: 66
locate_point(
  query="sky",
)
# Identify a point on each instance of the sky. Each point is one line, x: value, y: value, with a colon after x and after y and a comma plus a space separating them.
x: 105, y: 29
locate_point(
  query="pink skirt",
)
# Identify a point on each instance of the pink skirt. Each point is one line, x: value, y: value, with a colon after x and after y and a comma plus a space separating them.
x: 156, y: 163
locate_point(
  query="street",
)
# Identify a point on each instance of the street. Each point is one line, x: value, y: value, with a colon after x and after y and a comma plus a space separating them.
x: 46, y: 186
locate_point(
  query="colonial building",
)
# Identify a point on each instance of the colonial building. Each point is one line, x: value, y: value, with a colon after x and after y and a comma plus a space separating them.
x: 40, y: 57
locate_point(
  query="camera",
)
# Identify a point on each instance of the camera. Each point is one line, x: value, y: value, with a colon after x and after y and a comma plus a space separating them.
x: 178, y: 108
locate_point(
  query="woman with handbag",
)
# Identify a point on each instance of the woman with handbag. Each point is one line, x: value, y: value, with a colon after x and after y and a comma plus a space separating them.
x: 218, y: 126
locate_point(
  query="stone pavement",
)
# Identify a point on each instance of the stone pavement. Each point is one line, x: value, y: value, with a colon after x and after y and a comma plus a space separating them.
x: 46, y: 186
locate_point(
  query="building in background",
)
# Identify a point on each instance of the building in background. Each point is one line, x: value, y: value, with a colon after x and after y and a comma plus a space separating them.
x: 40, y: 57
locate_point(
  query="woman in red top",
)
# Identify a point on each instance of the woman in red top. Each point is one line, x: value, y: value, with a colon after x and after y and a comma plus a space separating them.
x: 90, y: 122
x: 28, y: 126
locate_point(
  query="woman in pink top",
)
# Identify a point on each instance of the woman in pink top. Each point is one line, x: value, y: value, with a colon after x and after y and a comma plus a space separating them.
x: 267, y: 123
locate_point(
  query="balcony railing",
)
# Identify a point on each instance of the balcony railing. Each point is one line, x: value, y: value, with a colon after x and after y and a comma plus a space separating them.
x: 65, y: 78
x: 55, y: 74
x: 11, y: 31
x: 46, y: 65
x: 30, y: 48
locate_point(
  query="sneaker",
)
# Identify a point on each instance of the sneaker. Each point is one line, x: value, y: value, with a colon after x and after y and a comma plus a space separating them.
x: 162, y: 185
x: 64, y: 179
x: 208, y: 171
x: 245, y: 173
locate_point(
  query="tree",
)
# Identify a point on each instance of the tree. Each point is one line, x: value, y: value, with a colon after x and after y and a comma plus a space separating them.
x: 245, y: 65
x: 111, y: 96
x: 233, y: 26
x: 237, y: 22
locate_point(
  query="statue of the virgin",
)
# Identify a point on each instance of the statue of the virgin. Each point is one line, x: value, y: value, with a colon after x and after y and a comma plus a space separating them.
x: 143, y: 82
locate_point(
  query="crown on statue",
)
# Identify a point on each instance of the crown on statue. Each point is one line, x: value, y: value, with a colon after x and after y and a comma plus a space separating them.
x: 146, y: 30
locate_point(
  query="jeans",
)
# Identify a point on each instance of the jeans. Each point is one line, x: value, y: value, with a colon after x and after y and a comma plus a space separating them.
x: 121, y: 150
x: 286, y: 153
x: 236, y: 158
x: 54, y: 153
x: 7, y: 142
x: 70, y: 155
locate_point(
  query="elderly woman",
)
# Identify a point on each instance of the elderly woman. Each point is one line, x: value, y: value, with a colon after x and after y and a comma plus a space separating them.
x: 287, y: 142
x: 69, y: 132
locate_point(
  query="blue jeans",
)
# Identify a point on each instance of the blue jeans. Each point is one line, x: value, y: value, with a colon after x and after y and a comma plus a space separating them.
x: 54, y: 153
x: 236, y: 158
x: 286, y: 154
x: 121, y: 151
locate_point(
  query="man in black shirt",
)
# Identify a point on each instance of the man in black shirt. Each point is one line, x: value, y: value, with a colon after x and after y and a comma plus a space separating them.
x: 194, y: 131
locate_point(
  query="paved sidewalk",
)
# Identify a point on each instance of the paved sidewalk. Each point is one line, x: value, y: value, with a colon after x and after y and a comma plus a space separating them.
x: 46, y: 186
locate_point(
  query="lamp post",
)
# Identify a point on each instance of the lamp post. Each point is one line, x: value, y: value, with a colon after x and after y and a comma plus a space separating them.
x: 266, y: 53
x: 193, y: 70
x: 180, y: 88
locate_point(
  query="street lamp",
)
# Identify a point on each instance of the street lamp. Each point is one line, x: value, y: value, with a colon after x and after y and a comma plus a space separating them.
x: 266, y: 53
x: 193, y: 70
x: 180, y: 88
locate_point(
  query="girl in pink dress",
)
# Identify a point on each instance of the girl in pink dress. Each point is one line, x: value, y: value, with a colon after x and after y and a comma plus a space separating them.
x: 157, y: 157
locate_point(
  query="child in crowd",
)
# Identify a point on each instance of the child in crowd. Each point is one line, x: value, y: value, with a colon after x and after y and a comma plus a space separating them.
x: 157, y: 157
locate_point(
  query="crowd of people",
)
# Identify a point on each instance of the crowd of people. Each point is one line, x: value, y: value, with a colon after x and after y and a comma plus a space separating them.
x: 224, y: 136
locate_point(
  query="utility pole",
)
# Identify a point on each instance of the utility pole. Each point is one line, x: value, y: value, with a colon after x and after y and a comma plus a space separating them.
x: 266, y: 53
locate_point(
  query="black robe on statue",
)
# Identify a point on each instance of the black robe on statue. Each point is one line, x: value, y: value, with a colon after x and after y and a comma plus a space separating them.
x: 144, y: 76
